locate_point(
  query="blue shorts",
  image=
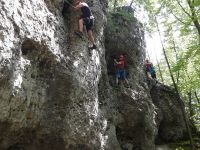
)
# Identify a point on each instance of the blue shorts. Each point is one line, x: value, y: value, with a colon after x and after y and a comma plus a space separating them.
x: 120, y: 73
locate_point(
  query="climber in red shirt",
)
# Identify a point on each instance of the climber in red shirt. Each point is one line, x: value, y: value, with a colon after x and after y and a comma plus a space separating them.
x: 148, y: 66
x: 86, y: 19
x: 120, y: 72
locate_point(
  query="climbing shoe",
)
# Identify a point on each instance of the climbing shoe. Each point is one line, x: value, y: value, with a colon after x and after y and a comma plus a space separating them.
x: 93, y: 47
x: 79, y: 34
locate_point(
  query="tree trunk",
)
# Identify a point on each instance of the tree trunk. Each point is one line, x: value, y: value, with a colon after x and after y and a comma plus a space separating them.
x: 177, y: 92
x: 159, y: 70
x: 148, y: 56
x: 175, y: 51
x: 131, y: 3
x: 192, y: 113
x: 194, y: 16
x: 190, y: 105
x: 115, y: 5
x: 195, y: 93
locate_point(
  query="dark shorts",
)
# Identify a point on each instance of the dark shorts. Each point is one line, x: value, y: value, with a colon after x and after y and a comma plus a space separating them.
x: 153, y: 75
x: 120, y: 73
x: 88, y: 23
x: 148, y: 70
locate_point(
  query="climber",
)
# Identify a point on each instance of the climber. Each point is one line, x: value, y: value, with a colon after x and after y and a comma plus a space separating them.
x: 120, y: 72
x: 86, y: 19
x: 148, y: 68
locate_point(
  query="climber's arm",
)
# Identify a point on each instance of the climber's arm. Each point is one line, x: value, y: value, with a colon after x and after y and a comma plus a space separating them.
x: 117, y: 62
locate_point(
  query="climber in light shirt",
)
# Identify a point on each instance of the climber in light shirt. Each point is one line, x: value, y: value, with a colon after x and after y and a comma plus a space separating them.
x: 86, y: 19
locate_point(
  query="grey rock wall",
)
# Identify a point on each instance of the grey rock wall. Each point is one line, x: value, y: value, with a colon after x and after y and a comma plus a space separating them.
x: 49, y: 79
x: 133, y: 113
x: 170, y: 122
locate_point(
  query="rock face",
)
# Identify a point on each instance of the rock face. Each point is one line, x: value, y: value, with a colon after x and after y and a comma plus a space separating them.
x: 140, y: 113
x: 170, y: 122
x: 49, y: 82
x: 133, y: 110
x: 57, y: 95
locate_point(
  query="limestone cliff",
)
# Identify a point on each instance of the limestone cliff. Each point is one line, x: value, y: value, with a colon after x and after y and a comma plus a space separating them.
x: 170, y: 122
x: 133, y: 110
x: 49, y: 83
x: 57, y: 95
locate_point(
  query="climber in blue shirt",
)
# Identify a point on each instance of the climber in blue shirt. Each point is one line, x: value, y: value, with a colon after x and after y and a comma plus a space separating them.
x: 86, y: 19
x: 153, y: 72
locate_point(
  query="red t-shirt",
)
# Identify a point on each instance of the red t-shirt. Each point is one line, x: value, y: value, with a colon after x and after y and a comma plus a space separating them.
x: 120, y: 64
x: 148, y: 67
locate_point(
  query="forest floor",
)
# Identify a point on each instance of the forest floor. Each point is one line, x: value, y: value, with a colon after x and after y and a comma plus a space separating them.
x: 185, y: 145
x: 180, y: 145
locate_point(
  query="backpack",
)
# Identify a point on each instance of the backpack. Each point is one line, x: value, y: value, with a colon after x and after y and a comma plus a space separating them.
x: 152, y: 69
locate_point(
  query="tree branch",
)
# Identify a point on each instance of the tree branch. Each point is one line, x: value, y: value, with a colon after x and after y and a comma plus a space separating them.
x: 181, y: 20
x: 181, y: 103
x: 131, y: 3
x: 183, y: 9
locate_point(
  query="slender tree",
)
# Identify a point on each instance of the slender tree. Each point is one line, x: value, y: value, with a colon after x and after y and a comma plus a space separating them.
x: 191, y: 111
x: 176, y: 89
x: 196, y: 96
x: 176, y: 54
x: 161, y: 76
x: 192, y: 15
x: 131, y: 3
x: 114, y: 5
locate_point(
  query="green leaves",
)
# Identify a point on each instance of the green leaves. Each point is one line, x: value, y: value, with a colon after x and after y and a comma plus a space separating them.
x: 181, y: 41
x: 196, y: 3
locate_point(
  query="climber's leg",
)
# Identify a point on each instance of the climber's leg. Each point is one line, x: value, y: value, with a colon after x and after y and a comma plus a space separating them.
x: 126, y: 80
x: 149, y: 75
x: 80, y: 32
x: 81, y: 25
x: 89, y: 24
x: 90, y: 37
x: 124, y: 77
x: 117, y: 75
x: 117, y: 81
